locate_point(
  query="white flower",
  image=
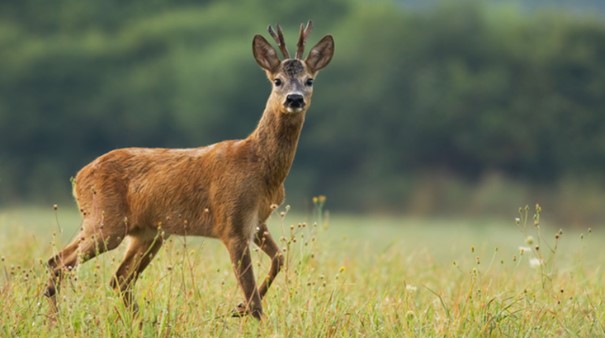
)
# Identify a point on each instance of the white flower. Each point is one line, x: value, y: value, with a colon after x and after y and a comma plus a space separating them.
x: 535, y: 262
x: 524, y: 249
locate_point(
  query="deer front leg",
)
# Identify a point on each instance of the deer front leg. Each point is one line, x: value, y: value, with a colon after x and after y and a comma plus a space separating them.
x: 264, y: 241
x: 239, y: 252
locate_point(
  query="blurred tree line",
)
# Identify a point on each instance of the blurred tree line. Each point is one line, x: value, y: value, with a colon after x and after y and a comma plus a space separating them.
x: 419, y: 107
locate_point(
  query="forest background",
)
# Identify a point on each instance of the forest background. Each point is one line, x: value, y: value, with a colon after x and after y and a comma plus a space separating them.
x: 469, y: 108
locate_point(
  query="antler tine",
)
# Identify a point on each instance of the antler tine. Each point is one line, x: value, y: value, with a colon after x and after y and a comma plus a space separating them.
x: 304, y: 32
x: 279, y: 38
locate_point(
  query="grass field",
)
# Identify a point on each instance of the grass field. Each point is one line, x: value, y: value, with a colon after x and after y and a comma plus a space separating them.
x: 345, y: 277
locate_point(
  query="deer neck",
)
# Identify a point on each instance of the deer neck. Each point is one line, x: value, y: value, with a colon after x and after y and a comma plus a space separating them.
x: 276, y: 138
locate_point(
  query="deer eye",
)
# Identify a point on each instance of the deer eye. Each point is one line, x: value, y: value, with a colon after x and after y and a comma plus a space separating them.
x: 277, y: 82
x: 309, y: 82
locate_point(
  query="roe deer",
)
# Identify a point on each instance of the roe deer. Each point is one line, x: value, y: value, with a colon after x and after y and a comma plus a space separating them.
x: 226, y: 190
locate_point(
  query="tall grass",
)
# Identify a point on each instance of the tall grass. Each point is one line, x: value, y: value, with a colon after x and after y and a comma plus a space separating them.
x: 345, y: 276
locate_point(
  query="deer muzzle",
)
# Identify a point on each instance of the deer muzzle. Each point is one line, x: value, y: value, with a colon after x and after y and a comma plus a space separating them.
x: 295, y: 103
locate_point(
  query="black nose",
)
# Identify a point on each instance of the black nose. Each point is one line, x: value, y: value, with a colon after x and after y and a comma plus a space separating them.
x: 295, y: 100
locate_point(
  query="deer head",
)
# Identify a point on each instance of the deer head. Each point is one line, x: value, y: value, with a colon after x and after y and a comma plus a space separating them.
x: 292, y: 78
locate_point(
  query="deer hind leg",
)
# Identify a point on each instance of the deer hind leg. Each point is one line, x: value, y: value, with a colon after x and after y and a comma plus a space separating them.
x: 86, y: 245
x: 140, y: 252
x: 239, y: 252
x: 266, y: 243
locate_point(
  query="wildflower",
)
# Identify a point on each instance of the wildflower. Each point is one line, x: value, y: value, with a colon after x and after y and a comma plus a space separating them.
x: 410, y: 315
x: 517, y: 220
x: 411, y: 288
x: 529, y: 240
x: 524, y: 249
x: 342, y: 269
x: 535, y: 262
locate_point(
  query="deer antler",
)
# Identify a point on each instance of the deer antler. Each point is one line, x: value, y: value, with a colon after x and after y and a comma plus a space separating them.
x: 304, y: 32
x: 279, y: 38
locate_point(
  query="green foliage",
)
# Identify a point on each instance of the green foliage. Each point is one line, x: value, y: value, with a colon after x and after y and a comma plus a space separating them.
x: 466, y: 89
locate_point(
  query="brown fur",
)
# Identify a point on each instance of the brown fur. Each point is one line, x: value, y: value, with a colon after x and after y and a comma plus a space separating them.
x: 225, y: 190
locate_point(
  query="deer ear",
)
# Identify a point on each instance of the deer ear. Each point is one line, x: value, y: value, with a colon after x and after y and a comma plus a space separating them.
x: 264, y: 54
x: 321, y: 54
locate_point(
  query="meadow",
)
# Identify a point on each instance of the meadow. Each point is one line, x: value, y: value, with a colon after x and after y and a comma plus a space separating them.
x: 345, y: 276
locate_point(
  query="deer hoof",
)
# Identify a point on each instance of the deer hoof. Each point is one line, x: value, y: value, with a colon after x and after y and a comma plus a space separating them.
x: 241, y: 310
x: 50, y: 291
x: 134, y: 308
